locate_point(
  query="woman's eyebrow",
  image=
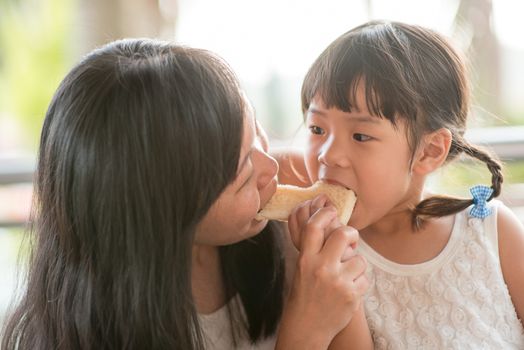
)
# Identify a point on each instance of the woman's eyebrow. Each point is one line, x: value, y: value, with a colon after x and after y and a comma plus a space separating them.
x: 244, y: 161
x: 241, y: 168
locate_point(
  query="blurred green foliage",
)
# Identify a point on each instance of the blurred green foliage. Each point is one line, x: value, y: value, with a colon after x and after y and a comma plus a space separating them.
x: 35, y: 42
x: 14, y: 246
x: 458, y: 177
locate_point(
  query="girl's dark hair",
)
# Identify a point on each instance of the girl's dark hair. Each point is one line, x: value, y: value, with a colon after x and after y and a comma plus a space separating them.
x: 409, y: 72
x: 138, y: 142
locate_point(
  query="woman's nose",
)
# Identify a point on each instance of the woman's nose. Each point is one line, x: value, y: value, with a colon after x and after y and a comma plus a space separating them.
x: 268, y: 168
x: 334, y: 153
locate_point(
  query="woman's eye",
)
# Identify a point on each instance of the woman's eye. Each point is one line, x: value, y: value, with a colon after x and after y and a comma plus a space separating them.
x: 361, y: 137
x: 316, y: 130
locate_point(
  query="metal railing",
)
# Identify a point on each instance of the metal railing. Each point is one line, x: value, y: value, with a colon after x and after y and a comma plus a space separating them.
x: 16, y: 170
x: 506, y: 142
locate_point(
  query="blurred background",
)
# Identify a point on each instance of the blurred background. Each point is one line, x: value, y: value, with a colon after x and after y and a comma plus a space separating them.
x: 270, y: 44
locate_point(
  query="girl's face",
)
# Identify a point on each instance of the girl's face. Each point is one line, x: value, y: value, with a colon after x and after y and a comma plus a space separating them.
x: 362, y: 152
x: 232, y: 217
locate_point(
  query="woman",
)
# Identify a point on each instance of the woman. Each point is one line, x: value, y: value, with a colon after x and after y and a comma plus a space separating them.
x: 150, y: 174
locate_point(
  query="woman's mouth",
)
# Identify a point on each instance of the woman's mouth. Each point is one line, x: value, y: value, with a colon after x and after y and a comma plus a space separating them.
x: 334, y: 182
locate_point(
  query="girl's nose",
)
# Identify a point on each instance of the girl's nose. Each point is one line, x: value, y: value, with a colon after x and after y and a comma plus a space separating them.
x: 268, y: 168
x: 334, y: 153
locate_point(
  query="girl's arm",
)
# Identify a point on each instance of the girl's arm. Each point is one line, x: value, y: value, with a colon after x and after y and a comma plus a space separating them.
x: 291, y: 167
x: 511, y: 251
x: 356, y: 335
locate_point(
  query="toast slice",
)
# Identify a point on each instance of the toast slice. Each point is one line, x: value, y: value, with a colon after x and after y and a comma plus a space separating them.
x: 287, y: 197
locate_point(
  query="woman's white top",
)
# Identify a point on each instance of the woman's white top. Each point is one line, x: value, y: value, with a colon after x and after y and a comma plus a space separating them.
x: 457, y: 300
x: 216, y: 328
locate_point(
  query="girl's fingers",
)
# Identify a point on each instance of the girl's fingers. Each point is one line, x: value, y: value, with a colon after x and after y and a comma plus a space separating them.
x: 297, y: 220
x: 312, y: 239
x: 303, y: 214
x: 322, y: 201
x: 300, y: 216
x: 317, y: 203
x: 348, y: 253
x: 338, y: 244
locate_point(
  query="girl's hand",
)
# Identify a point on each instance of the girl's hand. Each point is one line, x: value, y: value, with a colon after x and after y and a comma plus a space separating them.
x: 300, y: 216
x: 326, y: 290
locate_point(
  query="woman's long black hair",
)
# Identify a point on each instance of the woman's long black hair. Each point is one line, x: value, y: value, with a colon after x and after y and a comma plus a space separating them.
x: 138, y: 142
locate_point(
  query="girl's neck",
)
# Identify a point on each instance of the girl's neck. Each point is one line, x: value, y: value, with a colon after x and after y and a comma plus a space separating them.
x: 206, y: 279
x: 395, y: 238
x: 394, y: 223
x: 398, y: 220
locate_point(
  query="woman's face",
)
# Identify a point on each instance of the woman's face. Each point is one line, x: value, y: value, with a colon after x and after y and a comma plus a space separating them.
x: 231, y: 218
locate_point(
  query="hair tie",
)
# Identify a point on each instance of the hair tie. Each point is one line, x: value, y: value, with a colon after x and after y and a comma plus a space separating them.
x: 480, y: 195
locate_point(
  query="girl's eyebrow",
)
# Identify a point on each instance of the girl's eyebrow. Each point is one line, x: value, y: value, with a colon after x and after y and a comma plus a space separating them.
x: 316, y: 111
x: 358, y: 118
x: 365, y: 119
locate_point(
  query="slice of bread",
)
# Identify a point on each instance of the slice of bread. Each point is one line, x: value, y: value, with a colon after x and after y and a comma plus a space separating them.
x: 287, y: 197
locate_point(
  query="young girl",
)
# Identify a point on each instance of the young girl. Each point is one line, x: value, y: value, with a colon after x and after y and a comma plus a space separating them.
x: 386, y: 104
x: 151, y: 171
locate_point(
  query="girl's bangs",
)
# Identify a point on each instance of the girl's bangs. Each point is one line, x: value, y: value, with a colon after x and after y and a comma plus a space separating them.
x: 354, y: 59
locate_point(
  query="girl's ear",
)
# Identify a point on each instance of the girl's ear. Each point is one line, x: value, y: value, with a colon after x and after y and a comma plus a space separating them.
x: 432, y: 152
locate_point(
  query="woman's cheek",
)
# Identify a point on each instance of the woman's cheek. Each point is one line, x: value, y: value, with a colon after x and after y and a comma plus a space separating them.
x: 251, y: 203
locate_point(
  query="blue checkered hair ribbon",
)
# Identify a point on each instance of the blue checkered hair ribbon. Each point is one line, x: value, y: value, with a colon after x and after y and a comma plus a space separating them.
x: 480, y: 195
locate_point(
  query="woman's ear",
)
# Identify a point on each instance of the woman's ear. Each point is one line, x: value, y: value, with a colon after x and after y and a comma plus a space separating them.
x: 432, y: 152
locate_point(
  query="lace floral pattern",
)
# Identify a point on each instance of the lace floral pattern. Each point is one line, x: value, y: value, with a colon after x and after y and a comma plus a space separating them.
x: 460, y: 303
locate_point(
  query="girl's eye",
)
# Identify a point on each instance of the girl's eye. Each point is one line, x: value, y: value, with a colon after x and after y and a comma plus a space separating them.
x: 361, y: 137
x: 316, y: 130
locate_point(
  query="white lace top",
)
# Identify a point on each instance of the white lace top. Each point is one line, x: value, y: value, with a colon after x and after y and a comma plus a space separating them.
x: 457, y: 300
x: 216, y: 328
